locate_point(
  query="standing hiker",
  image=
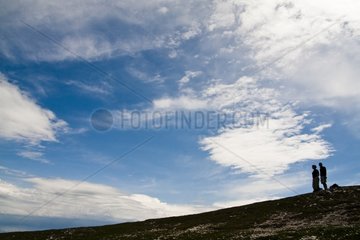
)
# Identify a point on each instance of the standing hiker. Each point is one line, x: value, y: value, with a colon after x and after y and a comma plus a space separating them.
x: 315, y: 176
x: 323, y: 177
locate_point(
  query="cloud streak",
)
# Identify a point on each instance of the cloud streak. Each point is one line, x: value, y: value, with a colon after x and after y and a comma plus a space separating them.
x: 87, y: 201
x: 22, y: 119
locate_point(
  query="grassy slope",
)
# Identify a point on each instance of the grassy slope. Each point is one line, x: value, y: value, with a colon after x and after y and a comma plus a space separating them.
x: 310, y: 216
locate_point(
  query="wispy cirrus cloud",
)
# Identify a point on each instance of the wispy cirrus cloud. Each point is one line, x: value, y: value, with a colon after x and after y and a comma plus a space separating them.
x: 187, y: 77
x: 144, y: 76
x: 33, y: 155
x: 5, y: 171
x: 85, y: 30
x: 100, y: 89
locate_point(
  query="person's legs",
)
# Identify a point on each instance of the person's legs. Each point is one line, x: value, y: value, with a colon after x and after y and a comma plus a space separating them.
x: 316, y: 184
x: 323, y: 182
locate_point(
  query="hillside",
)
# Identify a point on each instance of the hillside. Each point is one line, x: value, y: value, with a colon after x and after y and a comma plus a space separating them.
x: 324, y: 215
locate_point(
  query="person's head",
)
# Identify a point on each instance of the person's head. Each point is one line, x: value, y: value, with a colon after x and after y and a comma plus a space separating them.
x: 320, y: 164
x: 314, y: 166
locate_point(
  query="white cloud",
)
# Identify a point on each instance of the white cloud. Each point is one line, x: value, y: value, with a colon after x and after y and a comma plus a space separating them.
x: 266, y: 151
x: 79, y: 202
x: 33, y: 155
x: 267, y: 145
x: 163, y: 10
x: 223, y: 15
x: 144, y: 76
x: 5, y: 171
x: 172, y: 54
x: 329, y: 76
x: 179, y: 103
x: 22, y: 119
x: 193, y: 31
x: 188, y: 75
x: 103, y: 89
x: 321, y: 128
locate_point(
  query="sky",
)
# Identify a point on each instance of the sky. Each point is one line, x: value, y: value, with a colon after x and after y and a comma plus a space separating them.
x: 114, y: 111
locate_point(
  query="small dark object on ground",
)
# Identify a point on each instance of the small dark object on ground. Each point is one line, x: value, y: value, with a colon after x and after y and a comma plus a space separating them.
x: 334, y: 187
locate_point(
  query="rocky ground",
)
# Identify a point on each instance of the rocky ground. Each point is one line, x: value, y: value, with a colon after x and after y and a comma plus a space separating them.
x: 322, y: 215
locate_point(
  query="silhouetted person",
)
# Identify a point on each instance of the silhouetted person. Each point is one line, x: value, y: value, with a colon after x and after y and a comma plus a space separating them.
x: 323, y: 176
x: 315, y: 176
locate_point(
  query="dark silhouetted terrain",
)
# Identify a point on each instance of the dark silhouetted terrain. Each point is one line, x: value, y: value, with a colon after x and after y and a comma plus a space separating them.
x: 323, y: 215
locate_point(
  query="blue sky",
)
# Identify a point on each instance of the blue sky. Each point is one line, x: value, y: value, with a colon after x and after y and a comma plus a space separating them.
x: 292, y: 65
